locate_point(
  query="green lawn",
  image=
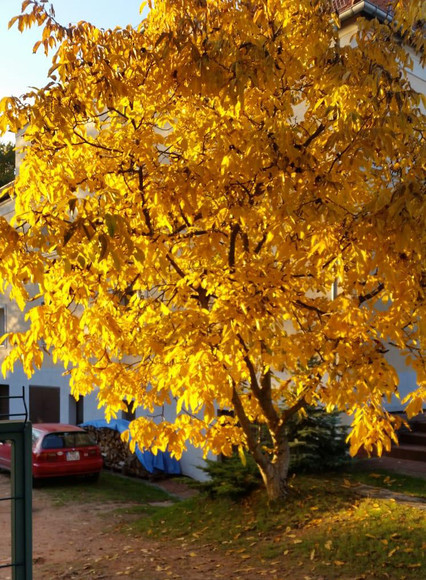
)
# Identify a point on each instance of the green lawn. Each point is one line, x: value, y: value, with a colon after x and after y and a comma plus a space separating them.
x: 110, y: 488
x: 323, y: 527
x: 389, y: 480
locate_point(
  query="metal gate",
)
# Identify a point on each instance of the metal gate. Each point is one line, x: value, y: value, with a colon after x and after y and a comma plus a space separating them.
x: 18, y: 433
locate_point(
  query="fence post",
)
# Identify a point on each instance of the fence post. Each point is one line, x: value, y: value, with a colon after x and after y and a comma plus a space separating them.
x: 21, y: 481
x: 19, y: 434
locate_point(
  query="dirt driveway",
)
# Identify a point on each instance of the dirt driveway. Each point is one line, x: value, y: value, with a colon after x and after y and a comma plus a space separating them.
x: 80, y: 541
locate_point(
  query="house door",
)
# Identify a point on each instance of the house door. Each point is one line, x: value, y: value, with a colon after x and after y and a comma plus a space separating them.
x: 44, y: 404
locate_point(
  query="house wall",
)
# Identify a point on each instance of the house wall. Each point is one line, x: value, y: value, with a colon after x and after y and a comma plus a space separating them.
x: 417, y: 79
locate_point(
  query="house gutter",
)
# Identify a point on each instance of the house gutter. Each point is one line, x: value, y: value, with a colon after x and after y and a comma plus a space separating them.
x: 367, y: 8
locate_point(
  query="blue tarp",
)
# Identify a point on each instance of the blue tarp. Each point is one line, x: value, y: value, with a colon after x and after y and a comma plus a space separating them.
x: 162, y: 462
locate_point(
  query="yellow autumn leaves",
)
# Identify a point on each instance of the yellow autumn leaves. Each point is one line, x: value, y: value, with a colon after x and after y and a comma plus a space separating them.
x: 192, y: 192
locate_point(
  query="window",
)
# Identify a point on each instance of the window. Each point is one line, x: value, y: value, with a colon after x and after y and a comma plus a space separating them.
x: 67, y: 440
x: 76, y: 410
x: 130, y: 414
x: 44, y: 404
x: 4, y: 402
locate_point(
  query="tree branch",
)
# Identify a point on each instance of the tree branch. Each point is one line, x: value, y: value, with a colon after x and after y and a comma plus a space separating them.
x: 314, y: 135
x: 176, y: 267
x: 145, y: 210
x: 232, y: 243
x: 310, y: 307
x: 287, y: 413
x: 372, y: 294
x: 246, y: 426
x: 260, y: 244
x: 262, y: 393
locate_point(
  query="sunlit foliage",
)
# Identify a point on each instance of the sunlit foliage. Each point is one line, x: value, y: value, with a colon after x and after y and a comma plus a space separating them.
x: 193, y: 190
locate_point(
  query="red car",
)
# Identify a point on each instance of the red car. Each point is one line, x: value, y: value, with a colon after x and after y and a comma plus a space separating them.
x: 59, y: 450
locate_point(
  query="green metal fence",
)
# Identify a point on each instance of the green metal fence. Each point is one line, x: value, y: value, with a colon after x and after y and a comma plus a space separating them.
x: 18, y: 433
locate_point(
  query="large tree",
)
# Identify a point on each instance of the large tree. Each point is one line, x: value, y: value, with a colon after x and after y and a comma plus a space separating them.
x: 192, y: 191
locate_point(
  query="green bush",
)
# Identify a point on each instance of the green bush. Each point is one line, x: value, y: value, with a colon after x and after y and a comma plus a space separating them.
x: 230, y: 477
x: 317, y: 443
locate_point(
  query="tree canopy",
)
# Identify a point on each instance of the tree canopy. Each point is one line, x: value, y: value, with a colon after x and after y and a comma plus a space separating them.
x: 223, y: 208
x: 7, y: 163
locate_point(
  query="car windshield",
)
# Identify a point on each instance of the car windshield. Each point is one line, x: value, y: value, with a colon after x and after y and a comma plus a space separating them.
x: 65, y: 440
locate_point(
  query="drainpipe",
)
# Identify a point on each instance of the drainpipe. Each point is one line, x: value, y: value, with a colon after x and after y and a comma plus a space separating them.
x: 368, y: 8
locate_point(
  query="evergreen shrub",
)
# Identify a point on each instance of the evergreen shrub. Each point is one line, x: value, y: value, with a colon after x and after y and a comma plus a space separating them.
x: 317, y: 444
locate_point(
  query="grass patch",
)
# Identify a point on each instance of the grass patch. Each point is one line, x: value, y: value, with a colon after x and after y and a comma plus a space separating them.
x: 109, y: 488
x: 374, y: 539
x: 323, y: 527
x: 415, y: 486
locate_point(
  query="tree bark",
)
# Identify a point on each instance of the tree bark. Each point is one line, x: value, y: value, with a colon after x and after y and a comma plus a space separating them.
x: 274, y: 470
x: 273, y: 466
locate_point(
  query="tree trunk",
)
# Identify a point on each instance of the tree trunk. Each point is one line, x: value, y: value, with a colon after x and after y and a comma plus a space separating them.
x: 274, y: 470
x: 273, y: 465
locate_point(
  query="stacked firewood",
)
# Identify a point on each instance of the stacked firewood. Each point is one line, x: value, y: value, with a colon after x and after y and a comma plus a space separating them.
x: 116, y: 453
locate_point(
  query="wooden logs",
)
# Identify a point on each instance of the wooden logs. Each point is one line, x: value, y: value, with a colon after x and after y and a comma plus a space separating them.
x: 116, y: 453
